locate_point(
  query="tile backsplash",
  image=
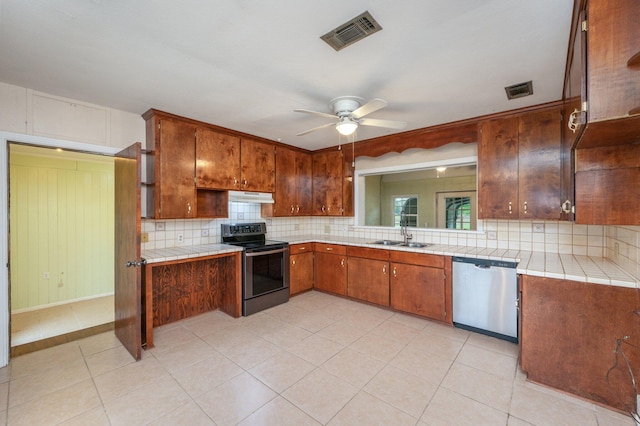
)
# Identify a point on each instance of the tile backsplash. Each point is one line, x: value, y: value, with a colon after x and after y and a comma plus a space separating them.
x: 618, y: 243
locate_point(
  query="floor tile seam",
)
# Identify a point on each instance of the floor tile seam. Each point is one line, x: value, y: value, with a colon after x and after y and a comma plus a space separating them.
x: 417, y: 419
x: 492, y: 350
x: 314, y: 369
x: 480, y: 402
x: 497, y: 376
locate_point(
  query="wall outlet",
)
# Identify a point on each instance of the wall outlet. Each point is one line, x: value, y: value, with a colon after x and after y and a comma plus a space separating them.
x: 159, y: 226
x: 45, y: 275
x: 240, y: 215
x: 327, y: 229
x: 492, y: 235
x: 204, y: 233
x: 144, y: 237
x: 180, y: 238
x: 538, y: 228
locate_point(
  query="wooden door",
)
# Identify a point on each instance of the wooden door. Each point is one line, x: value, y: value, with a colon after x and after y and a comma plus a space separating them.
x: 330, y: 273
x: 301, y: 272
x: 327, y: 183
x: 304, y: 184
x: 286, y: 183
x: 368, y: 279
x: 498, y: 169
x: 127, y: 286
x: 258, y: 164
x: 175, y: 158
x: 540, y: 165
x: 217, y: 160
x: 418, y: 290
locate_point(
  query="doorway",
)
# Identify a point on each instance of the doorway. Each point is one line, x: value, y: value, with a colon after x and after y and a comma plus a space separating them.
x: 61, y: 244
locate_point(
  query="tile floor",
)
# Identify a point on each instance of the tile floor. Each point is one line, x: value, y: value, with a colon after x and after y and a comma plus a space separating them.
x: 27, y: 327
x: 318, y: 359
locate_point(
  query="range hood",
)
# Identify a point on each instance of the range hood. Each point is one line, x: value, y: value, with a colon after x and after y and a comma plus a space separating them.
x: 251, y: 197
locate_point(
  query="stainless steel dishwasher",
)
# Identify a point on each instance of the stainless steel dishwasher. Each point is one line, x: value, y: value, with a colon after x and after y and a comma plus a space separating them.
x: 485, y: 294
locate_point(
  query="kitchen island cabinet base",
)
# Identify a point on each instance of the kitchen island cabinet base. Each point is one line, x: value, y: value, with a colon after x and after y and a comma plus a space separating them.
x: 180, y: 289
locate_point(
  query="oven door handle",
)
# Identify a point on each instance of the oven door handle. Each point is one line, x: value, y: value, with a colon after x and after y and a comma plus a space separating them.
x: 262, y: 253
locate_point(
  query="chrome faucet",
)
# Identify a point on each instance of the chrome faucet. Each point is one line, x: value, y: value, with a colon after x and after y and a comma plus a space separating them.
x: 403, y: 227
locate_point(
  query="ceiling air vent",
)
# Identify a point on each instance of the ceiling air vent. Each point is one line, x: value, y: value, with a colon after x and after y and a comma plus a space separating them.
x: 519, y: 90
x: 354, y: 30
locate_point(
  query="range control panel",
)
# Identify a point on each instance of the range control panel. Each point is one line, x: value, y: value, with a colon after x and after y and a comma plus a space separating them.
x: 235, y: 229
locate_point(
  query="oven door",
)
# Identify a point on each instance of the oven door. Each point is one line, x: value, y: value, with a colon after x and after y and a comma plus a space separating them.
x: 265, y: 271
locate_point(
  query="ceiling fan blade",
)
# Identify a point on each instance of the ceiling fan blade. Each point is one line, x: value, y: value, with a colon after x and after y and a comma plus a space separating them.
x: 371, y: 106
x: 316, y: 128
x: 321, y: 114
x: 383, y: 123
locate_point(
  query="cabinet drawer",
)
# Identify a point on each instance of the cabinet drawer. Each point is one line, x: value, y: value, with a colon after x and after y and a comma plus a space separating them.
x: 330, y: 248
x: 432, y: 260
x: 300, y: 248
x: 368, y: 253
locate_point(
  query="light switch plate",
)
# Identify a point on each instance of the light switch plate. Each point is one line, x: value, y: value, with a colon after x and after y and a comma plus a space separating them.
x: 538, y: 228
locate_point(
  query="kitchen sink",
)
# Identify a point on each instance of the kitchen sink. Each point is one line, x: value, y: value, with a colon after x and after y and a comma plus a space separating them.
x: 387, y: 242
x: 415, y: 245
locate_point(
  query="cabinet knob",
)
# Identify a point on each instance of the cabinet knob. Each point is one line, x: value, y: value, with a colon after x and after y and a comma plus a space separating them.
x: 525, y: 207
x: 245, y: 183
x: 291, y: 208
x: 395, y: 272
x: 293, y: 261
x: 297, y: 208
x: 323, y: 208
x: 510, y: 210
x: 329, y: 248
x: 566, y: 206
x: 235, y: 182
x: 384, y: 269
x: 342, y: 262
x: 573, y: 120
x: 188, y: 208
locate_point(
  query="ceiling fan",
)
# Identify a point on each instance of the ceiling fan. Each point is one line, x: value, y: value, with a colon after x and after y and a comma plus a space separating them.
x: 349, y: 112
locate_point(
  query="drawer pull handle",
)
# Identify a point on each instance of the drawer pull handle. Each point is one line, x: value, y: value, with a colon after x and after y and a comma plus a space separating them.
x: 329, y: 248
x: 384, y: 269
x: 395, y: 272
x: 510, y: 207
x: 342, y: 262
x: 573, y: 120
x: 293, y: 261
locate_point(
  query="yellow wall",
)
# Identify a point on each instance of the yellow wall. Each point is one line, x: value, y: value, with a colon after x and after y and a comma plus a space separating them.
x: 61, y: 215
x: 426, y: 191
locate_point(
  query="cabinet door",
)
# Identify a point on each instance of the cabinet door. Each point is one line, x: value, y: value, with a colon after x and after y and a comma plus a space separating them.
x: 285, y: 196
x: 418, y: 290
x: 258, y: 162
x: 217, y: 160
x: 304, y: 182
x: 175, y: 162
x: 368, y: 280
x: 301, y: 272
x: 327, y: 183
x: 330, y: 273
x: 498, y: 169
x: 539, y: 165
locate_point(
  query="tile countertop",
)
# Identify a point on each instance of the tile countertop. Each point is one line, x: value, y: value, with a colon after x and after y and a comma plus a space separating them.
x: 596, y: 270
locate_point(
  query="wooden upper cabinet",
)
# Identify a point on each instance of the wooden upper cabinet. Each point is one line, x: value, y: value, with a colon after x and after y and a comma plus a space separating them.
x: 217, y: 160
x: 293, y: 195
x: 519, y: 167
x: 608, y: 35
x: 174, y: 145
x: 327, y: 183
x: 258, y: 164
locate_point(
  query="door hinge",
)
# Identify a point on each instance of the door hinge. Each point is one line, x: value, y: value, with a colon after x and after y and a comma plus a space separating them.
x: 585, y: 25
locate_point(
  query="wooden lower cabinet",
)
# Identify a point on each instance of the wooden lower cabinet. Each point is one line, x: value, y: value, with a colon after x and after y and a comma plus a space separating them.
x: 180, y: 289
x: 568, y: 338
x: 420, y: 284
x: 300, y: 268
x: 418, y: 290
x: 368, y: 279
x: 330, y: 268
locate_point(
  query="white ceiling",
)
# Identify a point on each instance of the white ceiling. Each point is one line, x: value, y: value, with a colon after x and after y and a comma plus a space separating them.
x: 246, y: 64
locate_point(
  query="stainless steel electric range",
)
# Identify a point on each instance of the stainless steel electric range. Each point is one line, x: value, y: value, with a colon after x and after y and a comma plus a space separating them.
x: 265, y: 266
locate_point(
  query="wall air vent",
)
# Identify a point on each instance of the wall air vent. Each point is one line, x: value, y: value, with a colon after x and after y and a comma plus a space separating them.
x: 519, y: 90
x: 352, y: 31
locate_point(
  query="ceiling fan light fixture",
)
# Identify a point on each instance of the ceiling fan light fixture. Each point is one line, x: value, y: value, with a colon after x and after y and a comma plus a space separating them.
x: 346, y: 126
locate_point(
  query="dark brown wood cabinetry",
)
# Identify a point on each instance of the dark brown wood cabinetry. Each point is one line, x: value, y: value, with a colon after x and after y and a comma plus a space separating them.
x: 330, y: 268
x: 217, y: 160
x: 568, y: 338
x: 519, y: 167
x: 179, y: 289
x: 293, y: 196
x: 419, y: 285
x: 301, y: 268
x: 328, y: 168
x: 606, y: 39
x: 607, y: 185
x: 368, y: 275
x: 173, y: 145
x: 258, y: 165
